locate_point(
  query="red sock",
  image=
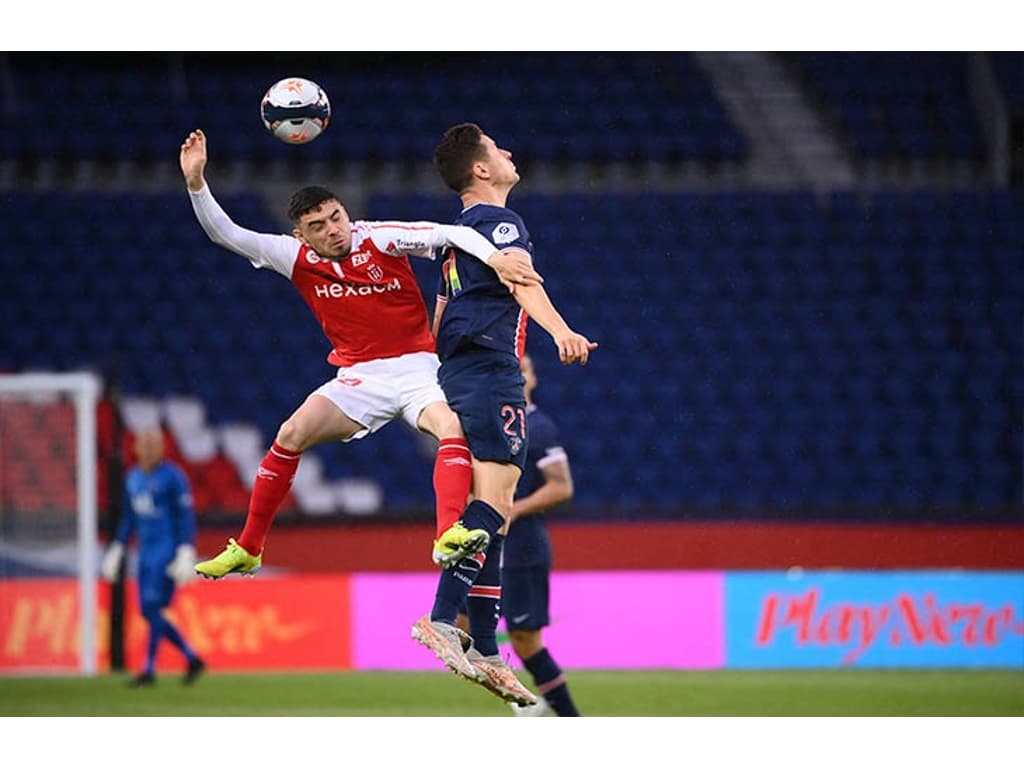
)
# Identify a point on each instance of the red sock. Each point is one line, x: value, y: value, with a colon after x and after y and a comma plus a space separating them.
x: 273, y: 479
x: 453, y: 480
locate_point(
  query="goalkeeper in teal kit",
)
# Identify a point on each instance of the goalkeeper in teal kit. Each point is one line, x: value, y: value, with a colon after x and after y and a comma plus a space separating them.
x: 158, y: 507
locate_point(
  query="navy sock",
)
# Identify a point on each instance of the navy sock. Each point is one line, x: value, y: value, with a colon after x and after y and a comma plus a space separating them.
x: 454, y: 585
x: 453, y: 588
x: 480, y: 514
x: 483, y: 602
x: 551, y: 682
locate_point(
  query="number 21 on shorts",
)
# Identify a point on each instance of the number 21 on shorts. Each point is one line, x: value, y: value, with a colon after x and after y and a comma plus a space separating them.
x: 514, y: 426
x: 515, y: 420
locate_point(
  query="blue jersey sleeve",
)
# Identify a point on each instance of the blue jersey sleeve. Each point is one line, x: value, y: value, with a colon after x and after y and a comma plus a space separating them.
x: 184, y: 514
x: 543, y: 436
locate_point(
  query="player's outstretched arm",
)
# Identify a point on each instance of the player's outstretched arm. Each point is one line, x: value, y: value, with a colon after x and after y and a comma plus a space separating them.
x: 572, y: 347
x: 264, y: 250
x: 421, y: 238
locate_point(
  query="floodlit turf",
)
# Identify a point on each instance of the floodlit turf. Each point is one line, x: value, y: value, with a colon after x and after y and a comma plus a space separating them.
x: 611, y: 694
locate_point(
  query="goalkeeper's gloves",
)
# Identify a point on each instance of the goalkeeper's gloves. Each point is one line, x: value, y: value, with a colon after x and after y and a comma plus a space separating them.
x: 111, y: 564
x: 182, y: 567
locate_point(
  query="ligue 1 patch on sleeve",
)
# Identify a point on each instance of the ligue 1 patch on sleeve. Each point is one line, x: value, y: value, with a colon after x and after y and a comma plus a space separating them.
x: 505, y: 233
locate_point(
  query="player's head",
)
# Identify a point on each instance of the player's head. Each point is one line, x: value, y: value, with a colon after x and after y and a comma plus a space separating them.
x: 529, y: 374
x: 321, y: 222
x: 149, y: 446
x: 467, y: 157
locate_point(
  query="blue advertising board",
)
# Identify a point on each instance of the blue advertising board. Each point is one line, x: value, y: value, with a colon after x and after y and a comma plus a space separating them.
x: 874, y: 619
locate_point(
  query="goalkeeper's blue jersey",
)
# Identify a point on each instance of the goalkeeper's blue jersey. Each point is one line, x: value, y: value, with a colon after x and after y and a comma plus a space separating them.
x: 158, y: 506
x: 479, y: 311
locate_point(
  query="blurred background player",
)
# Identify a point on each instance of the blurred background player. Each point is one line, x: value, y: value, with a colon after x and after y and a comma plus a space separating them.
x: 481, y: 336
x: 526, y: 557
x: 526, y: 561
x: 546, y: 482
x: 356, y: 279
x: 158, y: 506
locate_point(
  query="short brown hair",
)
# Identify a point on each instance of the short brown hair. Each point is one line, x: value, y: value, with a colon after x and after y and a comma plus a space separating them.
x: 460, y: 147
x: 306, y: 199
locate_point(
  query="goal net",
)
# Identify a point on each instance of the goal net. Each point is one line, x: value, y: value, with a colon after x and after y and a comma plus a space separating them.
x: 48, y: 523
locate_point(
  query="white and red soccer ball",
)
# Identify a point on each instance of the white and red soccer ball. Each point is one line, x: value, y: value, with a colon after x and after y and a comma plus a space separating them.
x: 295, y: 110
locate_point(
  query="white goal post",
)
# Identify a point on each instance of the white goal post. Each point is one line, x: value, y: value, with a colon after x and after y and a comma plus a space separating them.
x: 84, y: 390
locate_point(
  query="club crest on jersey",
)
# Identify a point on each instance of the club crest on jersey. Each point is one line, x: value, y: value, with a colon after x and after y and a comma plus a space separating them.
x: 505, y: 232
x: 311, y: 257
x: 375, y: 272
x: 359, y: 259
x: 515, y: 445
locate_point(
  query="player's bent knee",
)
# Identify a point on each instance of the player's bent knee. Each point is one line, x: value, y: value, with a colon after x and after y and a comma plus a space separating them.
x: 292, y: 436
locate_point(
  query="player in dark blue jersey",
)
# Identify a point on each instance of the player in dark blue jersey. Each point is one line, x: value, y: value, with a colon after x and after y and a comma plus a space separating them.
x: 480, y: 326
x: 157, y: 507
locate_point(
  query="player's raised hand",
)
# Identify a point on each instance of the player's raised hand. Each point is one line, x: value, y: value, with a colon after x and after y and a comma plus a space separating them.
x: 574, y: 347
x: 193, y: 159
x: 514, y: 268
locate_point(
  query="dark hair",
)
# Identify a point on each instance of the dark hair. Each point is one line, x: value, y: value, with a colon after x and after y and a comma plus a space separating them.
x: 306, y: 199
x: 460, y: 147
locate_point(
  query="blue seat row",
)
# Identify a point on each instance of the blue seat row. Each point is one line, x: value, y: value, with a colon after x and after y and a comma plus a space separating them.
x: 892, y: 105
x: 551, y: 107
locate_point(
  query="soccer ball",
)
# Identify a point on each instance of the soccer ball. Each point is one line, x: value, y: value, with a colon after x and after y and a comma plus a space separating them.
x: 295, y: 110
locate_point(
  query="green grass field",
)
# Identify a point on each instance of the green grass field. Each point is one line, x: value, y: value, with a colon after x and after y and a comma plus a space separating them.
x: 667, y: 693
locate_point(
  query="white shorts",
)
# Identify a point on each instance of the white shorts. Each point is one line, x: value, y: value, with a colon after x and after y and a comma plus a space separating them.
x: 377, y: 392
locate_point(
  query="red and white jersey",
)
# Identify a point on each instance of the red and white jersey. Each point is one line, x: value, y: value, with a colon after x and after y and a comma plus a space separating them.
x: 369, y: 304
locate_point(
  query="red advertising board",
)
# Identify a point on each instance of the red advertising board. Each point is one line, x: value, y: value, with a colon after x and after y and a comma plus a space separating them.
x: 298, y: 622
x: 39, y: 625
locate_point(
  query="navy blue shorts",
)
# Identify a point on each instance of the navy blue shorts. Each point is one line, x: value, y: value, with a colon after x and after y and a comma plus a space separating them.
x: 485, y: 388
x: 524, y: 597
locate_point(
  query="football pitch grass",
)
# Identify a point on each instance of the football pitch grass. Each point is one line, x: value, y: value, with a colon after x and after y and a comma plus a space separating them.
x: 654, y: 693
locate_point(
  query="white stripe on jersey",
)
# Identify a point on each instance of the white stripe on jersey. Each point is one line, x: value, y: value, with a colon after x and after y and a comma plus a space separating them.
x: 555, y: 455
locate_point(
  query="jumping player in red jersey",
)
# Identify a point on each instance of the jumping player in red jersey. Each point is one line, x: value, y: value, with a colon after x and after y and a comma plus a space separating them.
x: 356, y: 279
